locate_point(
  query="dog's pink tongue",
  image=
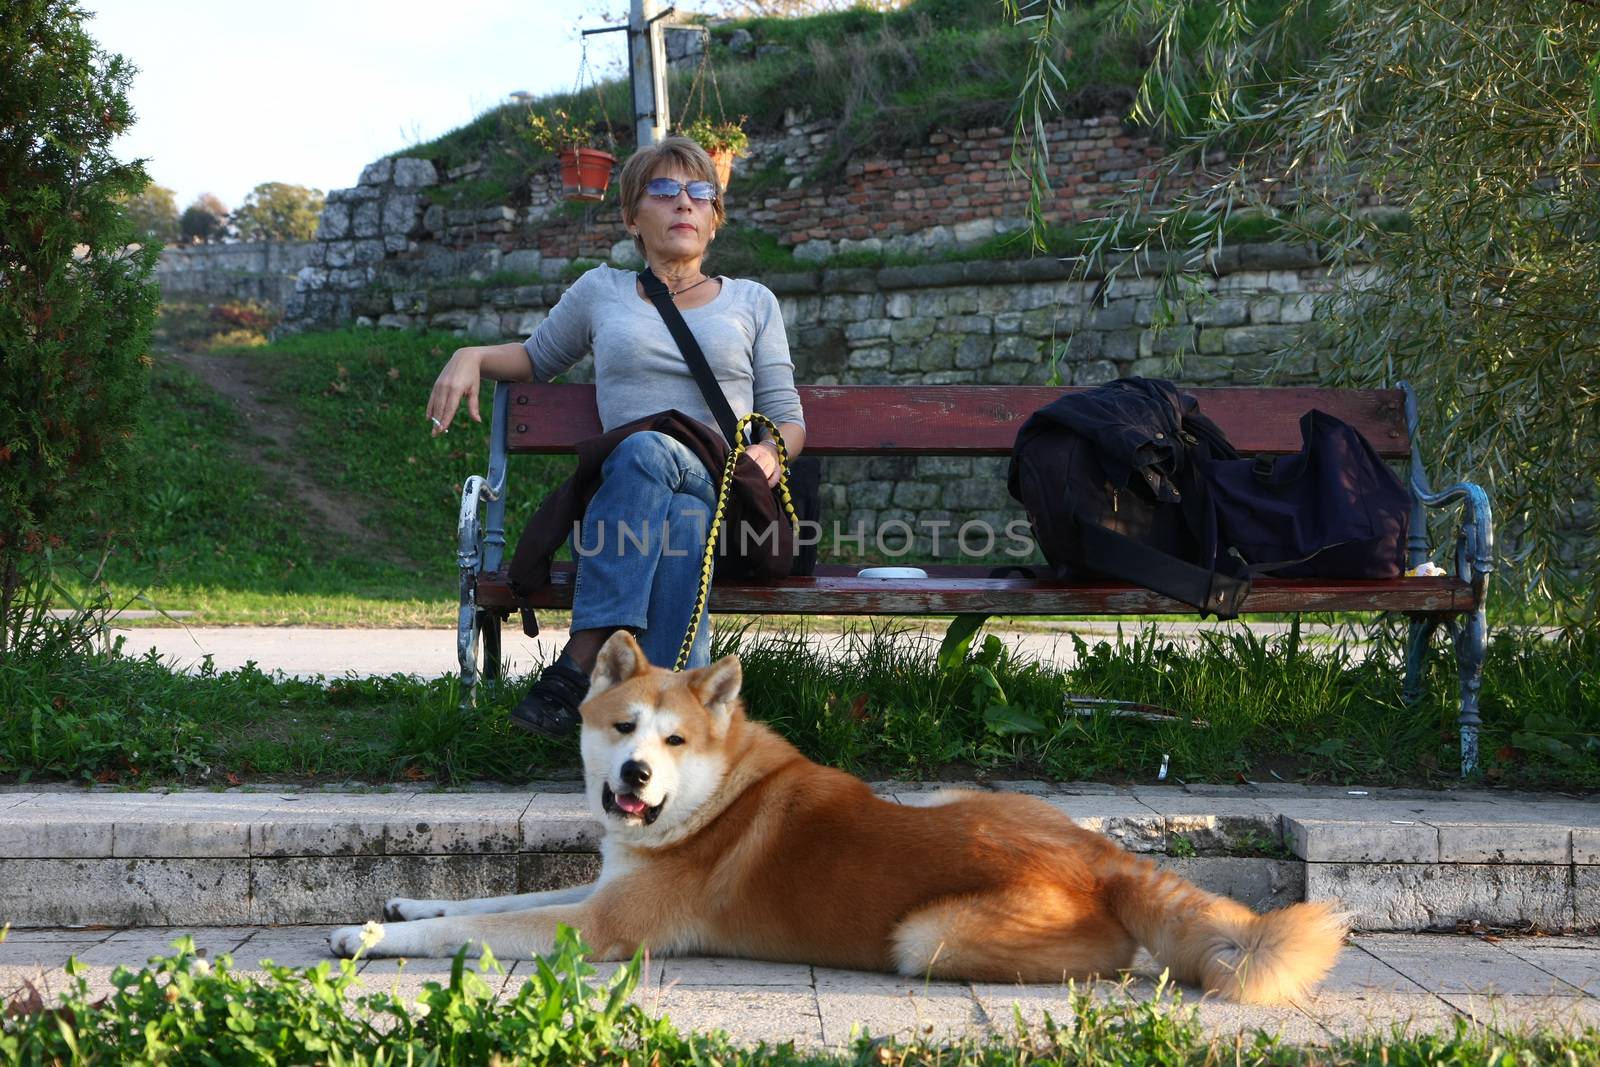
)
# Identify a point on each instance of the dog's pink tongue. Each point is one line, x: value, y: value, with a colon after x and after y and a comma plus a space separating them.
x: 630, y: 803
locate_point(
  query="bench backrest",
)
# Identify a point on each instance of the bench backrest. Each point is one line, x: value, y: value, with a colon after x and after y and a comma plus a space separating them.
x: 972, y: 420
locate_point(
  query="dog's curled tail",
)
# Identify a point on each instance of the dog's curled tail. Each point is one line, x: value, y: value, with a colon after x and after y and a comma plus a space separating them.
x: 1221, y: 945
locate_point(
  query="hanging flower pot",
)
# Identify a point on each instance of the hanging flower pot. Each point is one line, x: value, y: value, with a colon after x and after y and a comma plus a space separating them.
x: 723, y: 141
x: 585, y: 173
x: 722, y: 159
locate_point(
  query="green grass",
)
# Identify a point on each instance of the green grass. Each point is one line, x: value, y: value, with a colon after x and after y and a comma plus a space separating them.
x: 887, y: 708
x: 181, y: 1009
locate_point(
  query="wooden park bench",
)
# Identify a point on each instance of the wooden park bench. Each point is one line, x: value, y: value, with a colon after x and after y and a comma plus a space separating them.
x: 982, y: 420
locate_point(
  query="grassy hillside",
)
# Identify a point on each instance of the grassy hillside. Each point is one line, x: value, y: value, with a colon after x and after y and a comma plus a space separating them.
x: 888, y: 78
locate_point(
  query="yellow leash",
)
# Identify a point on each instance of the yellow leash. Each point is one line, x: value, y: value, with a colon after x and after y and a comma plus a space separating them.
x: 734, y: 453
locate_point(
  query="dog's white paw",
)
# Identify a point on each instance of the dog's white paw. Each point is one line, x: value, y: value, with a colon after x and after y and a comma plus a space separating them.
x: 404, y: 909
x: 347, y: 940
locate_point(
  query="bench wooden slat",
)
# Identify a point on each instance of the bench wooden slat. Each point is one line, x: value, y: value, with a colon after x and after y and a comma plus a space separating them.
x: 843, y: 594
x: 974, y: 420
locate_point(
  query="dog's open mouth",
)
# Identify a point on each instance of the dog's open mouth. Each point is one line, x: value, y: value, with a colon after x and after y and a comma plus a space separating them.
x: 628, y: 806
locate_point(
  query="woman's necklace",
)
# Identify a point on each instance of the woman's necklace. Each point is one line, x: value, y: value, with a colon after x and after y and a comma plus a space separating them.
x: 685, y: 289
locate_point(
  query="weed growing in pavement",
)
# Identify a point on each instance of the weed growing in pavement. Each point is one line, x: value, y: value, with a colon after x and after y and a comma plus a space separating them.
x: 182, y: 1009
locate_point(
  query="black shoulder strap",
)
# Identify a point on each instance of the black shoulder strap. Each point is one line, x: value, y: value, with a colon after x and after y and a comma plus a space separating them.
x: 656, y: 290
x: 1122, y: 557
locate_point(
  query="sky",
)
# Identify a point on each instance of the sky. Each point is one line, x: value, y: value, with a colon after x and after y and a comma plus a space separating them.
x: 230, y: 94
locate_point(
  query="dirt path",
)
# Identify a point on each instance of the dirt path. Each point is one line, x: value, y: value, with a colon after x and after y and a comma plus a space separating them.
x: 245, y: 382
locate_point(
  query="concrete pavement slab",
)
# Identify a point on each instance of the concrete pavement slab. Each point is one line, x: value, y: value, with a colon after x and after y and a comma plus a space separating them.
x: 286, y: 946
x: 134, y: 948
x: 1358, y: 971
x: 1262, y: 884
x: 61, y: 826
x: 1464, y: 965
x: 1378, y: 834
x: 538, y: 871
x: 1353, y: 1015
x: 1214, y: 823
x: 1577, y: 966
x: 1220, y: 1019
x: 1522, y: 1012
x: 712, y: 972
x: 891, y: 1006
x: 771, y: 1014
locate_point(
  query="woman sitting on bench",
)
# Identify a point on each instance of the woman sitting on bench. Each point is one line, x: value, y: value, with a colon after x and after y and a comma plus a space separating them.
x: 653, y: 484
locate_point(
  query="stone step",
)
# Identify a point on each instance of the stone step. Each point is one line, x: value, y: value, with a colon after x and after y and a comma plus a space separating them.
x: 1397, y: 861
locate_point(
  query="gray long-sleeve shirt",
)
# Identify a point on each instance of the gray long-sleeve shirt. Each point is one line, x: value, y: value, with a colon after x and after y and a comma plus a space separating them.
x: 638, y: 367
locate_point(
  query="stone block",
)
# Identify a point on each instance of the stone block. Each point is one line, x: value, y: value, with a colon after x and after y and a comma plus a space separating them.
x: 400, y: 213
x: 367, y: 219
x: 368, y: 251
x: 377, y: 173
x: 1016, y: 350
x: 352, y: 889
x: 456, y: 823
x: 1259, y: 882
x: 61, y: 826
x: 1230, y: 312
x: 1009, y: 373
x: 396, y: 242
x: 1586, y: 841
x: 975, y: 351
x: 871, y: 494
x: 540, y: 871
x: 528, y: 321
x: 867, y: 330
x: 522, y: 261
x: 1371, y: 839
x: 915, y: 495
x: 1586, y: 895
x: 1214, y: 824
x: 1266, y: 310
x: 907, y: 331
x: 1122, y: 345
x: 1247, y: 339
x: 937, y: 353
x: 1117, y: 315
x: 124, y: 892
x: 414, y: 173
x: 559, y: 822
x: 1500, y: 842
x: 393, y: 321
x: 310, y: 824
x: 1123, y: 819
x: 340, y: 253
x: 1411, y: 896
x: 1007, y: 322
x: 334, y: 223
x: 869, y: 358
x: 186, y: 825
x: 1094, y: 372
x: 1297, y: 309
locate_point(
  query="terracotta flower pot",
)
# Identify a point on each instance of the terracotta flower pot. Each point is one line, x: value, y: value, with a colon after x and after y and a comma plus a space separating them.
x: 722, y: 159
x: 585, y: 173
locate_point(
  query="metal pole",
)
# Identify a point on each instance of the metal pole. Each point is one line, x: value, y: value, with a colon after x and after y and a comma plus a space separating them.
x: 647, y: 66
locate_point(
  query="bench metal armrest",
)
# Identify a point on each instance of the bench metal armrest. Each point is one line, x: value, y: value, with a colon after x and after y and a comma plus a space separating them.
x: 1475, y: 541
x: 480, y: 546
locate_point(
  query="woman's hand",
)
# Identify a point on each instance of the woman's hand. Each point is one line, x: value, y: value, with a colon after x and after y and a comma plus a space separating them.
x: 765, y: 453
x: 459, y: 379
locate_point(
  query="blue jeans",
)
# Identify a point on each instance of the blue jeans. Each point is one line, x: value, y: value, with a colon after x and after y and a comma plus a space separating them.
x: 641, y: 544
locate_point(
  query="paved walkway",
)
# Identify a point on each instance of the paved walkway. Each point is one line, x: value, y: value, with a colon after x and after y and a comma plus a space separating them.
x: 1416, y: 981
x: 305, y: 652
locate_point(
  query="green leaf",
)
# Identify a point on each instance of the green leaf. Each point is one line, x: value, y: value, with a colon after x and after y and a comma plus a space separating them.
x: 1005, y: 720
x: 958, y: 639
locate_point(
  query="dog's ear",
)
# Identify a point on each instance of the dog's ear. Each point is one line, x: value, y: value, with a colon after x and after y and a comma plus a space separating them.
x: 717, y: 686
x: 620, y: 659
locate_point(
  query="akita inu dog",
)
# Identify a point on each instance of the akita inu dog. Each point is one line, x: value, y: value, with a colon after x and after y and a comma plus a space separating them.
x: 722, y: 839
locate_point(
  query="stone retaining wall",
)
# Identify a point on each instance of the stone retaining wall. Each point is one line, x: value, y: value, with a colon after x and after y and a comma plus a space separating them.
x: 263, y: 271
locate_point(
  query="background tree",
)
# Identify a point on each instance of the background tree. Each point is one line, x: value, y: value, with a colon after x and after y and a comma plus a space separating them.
x: 1443, y: 157
x: 76, y: 304
x: 277, y: 211
x: 154, y: 211
x: 204, y: 220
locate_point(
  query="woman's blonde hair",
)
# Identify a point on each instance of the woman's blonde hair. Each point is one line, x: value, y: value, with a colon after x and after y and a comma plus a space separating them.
x: 677, y: 153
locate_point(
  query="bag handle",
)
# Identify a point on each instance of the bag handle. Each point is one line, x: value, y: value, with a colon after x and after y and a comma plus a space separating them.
x: 715, y: 399
x: 1138, y: 564
x: 725, y: 484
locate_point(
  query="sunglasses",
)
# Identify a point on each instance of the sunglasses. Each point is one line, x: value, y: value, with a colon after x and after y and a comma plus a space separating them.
x: 669, y: 188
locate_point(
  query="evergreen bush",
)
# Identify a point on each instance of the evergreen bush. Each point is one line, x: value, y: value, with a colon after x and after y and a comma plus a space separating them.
x: 76, y: 302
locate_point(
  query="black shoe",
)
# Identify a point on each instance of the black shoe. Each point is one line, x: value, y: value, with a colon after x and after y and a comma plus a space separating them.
x: 551, y: 706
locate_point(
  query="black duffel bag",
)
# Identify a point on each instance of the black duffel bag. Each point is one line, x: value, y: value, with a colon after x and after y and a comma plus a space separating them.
x: 1333, y: 509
